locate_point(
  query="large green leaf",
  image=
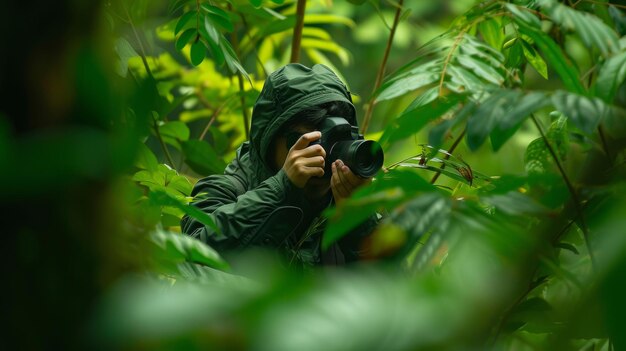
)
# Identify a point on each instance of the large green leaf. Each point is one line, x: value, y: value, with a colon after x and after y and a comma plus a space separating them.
x: 515, y: 115
x: 177, y: 248
x: 385, y: 193
x: 198, y: 52
x: 184, y: 38
x: 410, y: 80
x: 584, y: 112
x: 611, y: 75
x: 481, y: 69
x: 591, y: 30
x: 488, y: 115
x: 174, y: 132
x: 219, y: 17
x: 201, y: 157
x: 534, y: 59
x: 417, y: 115
x: 553, y: 54
x: 184, y: 19
x: 163, y: 198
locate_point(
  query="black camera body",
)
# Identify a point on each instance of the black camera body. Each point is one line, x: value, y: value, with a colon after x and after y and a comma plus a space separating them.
x: 342, y: 141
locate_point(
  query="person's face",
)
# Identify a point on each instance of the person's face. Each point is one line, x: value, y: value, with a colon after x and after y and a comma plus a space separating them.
x: 316, y: 187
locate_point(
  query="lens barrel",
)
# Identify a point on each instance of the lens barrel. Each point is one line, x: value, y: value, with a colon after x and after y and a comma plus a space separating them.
x: 364, y: 157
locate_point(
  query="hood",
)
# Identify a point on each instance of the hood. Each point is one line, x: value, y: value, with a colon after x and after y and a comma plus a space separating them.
x: 287, y: 91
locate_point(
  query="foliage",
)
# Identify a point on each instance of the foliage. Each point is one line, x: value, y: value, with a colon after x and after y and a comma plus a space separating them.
x: 526, y: 256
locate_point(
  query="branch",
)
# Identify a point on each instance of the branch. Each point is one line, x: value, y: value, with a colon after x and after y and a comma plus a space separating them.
x: 381, y: 70
x: 443, y: 165
x: 165, y: 150
x: 297, y: 31
x: 570, y: 187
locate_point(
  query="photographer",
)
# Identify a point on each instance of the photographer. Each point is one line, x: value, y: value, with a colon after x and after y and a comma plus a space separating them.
x: 273, y: 193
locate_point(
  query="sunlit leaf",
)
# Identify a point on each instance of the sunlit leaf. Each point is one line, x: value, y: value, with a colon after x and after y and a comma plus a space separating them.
x: 534, y: 59
x: 555, y: 58
x: 177, y: 248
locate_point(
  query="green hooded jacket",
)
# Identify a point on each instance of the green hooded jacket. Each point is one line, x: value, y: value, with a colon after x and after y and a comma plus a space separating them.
x: 256, y: 206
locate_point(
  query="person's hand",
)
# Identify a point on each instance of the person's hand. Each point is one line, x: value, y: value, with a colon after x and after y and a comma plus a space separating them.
x: 304, y: 161
x: 343, y: 182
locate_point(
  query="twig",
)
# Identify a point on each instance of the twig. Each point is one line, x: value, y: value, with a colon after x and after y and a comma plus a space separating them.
x: 246, y: 124
x: 443, y: 165
x: 297, y: 31
x: 141, y: 48
x: 570, y: 187
x: 158, y: 134
x: 447, y: 61
x: 381, y: 69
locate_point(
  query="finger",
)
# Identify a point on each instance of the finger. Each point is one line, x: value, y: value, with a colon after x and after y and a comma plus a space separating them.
x: 338, y: 190
x: 352, y: 179
x: 342, y: 182
x: 316, y: 161
x: 305, y: 140
x: 312, y: 150
x: 314, y: 171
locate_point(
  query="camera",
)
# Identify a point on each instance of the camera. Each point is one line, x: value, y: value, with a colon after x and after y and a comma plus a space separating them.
x: 342, y: 141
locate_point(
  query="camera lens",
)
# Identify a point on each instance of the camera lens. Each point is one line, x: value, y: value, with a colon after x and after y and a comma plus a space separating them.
x: 364, y: 157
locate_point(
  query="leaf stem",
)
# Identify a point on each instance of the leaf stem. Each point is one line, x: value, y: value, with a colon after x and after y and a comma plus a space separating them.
x: 381, y: 69
x: 297, y: 31
x: 570, y: 187
x: 160, y: 138
x: 246, y: 118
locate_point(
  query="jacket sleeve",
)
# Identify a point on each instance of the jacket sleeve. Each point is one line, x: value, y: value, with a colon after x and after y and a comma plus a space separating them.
x: 265, y: 215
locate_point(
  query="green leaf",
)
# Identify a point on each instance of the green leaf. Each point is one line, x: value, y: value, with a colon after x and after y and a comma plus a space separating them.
x: 184, y: 38
x: 515, y: 203
x: 232, y: 61
x: 327, y: 45
x: 174, y: 132
x: 198, y: 51
x: 584, y: 112
x: 426, y: 212
x: 417, y: 115
x: 524, y: 16
x: 201, y: 157
x: 319, y: 18
x: 568, y: 246
x: 184, y: 19
x: 554, y: 56
x: 518, y: 111
x: 389, y: 86
x: 124, y: 51
x: 176, y: 5
x: 407, y: 84
x: 610, y: 77
x: 440, y: 132
x: 488, y: 115
x: 163, y: 198
x: 591, y: 30
x: 535, y: 59
x: 214, y: 39
x: 387, y: 192
x: 218, y: 16
x: 256, y: 3
x: 492, y: 32
x: 481, y: 69
x: 176, y: 248
x: 146, y: 159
